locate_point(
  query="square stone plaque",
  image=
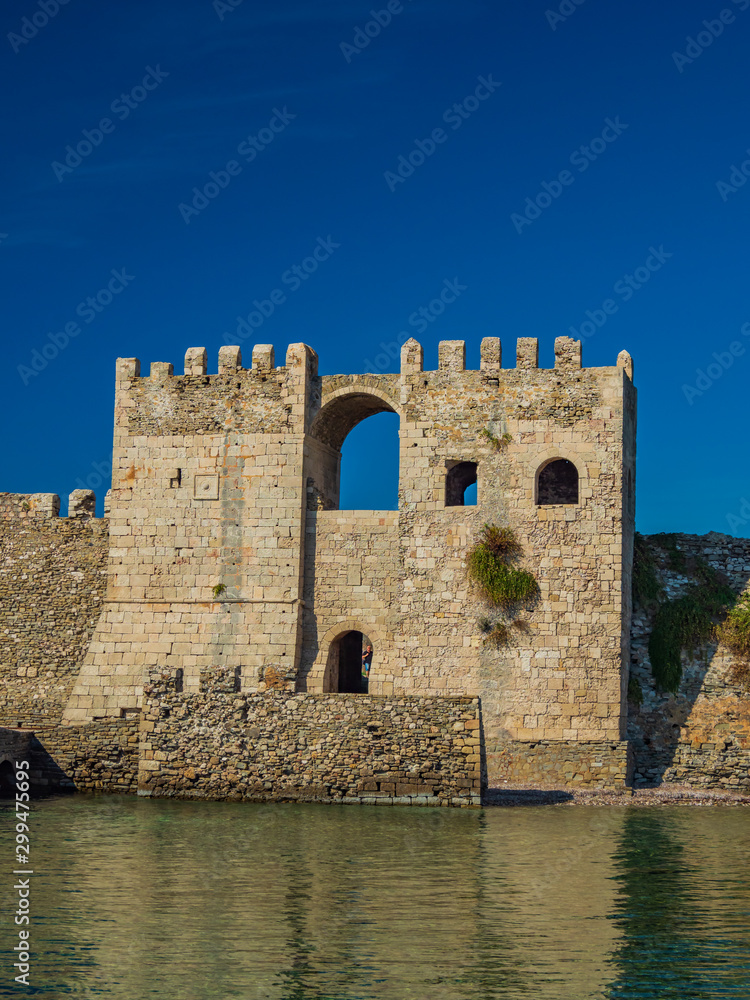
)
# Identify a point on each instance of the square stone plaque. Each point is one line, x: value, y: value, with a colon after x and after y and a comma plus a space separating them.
x: 206, y: 487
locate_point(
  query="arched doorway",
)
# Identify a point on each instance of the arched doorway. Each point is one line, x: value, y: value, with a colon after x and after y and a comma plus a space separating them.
x: 345, y: 672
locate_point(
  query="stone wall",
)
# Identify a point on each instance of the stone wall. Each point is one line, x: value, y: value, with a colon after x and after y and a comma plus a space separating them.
x: 552, y: 764
x: 352, y: 581
x: 218, y: 744
x: 699, y: 736
x: 52, y: 582
x: 101, y: 756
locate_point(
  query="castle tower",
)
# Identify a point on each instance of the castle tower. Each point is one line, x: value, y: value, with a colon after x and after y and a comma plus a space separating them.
x: 228, y: 547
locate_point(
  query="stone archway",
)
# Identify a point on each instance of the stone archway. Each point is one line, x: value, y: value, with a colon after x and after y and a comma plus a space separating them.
x: 324, y: 678
x: 344, y: 408
x: 557, y: 482
x: 340, y: 412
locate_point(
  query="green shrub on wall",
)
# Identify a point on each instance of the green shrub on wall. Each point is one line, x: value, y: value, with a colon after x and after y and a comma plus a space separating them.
x: 490, y: 568
x: 734, y: 633
x: 646, y: 586
x: 684, y: 623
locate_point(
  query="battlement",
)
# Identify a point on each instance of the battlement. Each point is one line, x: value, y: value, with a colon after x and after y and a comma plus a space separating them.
x: 287, y: 399
x: 451, y: 358
x: 32, y: 506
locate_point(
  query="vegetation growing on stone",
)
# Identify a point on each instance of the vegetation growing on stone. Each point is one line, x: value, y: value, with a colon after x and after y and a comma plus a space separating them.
x: 491, y: 569
x: 676, y: 559
x: 219, y: 589
x: 498, y: 443
x: 496, y: 634
x: 685, y: 623
x: 503, y: 585
x: 646, y: 586
x: 635, y: 691
x: 734, y: 633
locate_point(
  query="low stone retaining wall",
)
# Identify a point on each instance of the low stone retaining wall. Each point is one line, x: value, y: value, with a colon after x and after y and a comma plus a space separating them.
x: 719, y: 765
x: 101, y: 756
x: 551, y: 763
x: 323, y: 748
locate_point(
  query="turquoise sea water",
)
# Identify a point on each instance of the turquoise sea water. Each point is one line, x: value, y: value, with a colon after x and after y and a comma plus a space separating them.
x: 135, y: 899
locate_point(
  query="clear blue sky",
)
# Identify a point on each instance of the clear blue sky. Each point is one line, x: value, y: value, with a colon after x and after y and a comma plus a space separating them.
x: 316, y: 123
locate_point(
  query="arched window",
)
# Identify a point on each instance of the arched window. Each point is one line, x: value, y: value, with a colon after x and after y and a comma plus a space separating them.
x: 557, y: 483
x: 369, y: 465
x: 460, y: 477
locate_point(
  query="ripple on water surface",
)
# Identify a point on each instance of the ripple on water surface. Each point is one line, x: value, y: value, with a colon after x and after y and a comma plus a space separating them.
x: 136, y: 898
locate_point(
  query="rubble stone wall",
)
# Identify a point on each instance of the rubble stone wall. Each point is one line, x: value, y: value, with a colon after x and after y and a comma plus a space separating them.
x: 52, y: 584
x: 218, y: 744
x: 555, y: 763
x: 699, y: 736
x: 98, y: 757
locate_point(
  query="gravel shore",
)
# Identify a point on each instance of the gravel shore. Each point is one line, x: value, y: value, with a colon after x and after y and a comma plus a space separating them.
x: 671, y: 795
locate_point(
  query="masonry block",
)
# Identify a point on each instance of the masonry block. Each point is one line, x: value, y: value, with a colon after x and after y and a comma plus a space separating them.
x: 491, y: 355
x: 452, y: 355
x: 527, y: 352
x: 263, y: 358
x: 196, y: 362
x: 567, y: 353
x: 161, y: 371
x: 412, y: 357
x: 230, y: 359
x: 82, y: 503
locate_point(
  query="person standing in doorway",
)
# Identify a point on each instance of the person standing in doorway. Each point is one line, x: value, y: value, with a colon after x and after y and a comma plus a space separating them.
x: 366, y: 663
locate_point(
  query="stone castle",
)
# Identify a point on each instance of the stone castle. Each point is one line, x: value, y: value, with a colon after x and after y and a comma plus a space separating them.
x: 222, y: 657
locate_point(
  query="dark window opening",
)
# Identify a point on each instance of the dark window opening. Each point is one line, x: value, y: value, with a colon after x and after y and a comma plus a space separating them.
x: 237, y: 680
x: 7, y: 780
x: 460, y: 485
x: 178, y: 680
x: 558, y: 483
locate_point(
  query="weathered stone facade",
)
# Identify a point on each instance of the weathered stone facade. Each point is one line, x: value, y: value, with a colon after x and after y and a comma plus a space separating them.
x: 227, y: 548
x: 700, y: 735
x: 97, y: 757
x: 552, y: 763
x: 52, y: 584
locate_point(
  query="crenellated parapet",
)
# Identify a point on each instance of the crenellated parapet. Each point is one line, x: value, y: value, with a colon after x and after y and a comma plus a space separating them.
x: 37, y: 506
x: 286, y: 399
